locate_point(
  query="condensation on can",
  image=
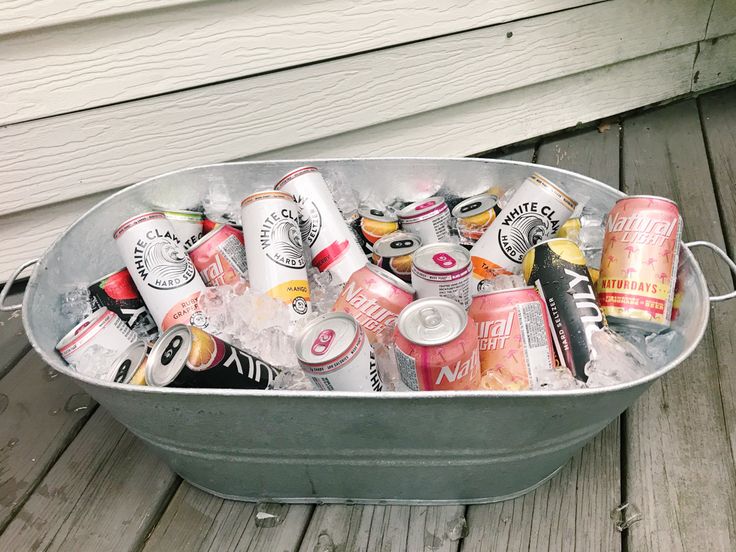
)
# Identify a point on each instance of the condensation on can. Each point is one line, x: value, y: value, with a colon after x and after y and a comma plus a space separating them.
x: 442, y: 270
x: 429, y: 219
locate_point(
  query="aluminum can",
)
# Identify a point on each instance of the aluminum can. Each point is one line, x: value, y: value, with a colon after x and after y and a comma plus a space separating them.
x: 188, y: 226
x: 161, y: 270
x: 374, y: 297
x: 128, y: 364
x: 437, y: 346
x: 219, y: 256
x: 641, y: 249
x: 557, y: 269
x: 332, y: 244
x: 274, y: 250
x: 442, y: 270
x: 429, y: 219
x: 334, y: 352
x: 374, y: 224
x: 513, y: 337
x: 186, y: 356
x: 104, y: 329
x: 394, y: 252
x: 535, y: 212
x: 570, y: 229
x: 117, y: 292
x: 474, y: 215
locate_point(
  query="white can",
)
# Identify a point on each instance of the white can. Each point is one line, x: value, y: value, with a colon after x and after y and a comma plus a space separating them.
x: 330, y: 240
x: 161, y: 269
x: 442, y: 270
x: 429, y: 219
x: 187, y: 226
x: 534, y: 213
x: 334, y: 352
x: 274, y: 250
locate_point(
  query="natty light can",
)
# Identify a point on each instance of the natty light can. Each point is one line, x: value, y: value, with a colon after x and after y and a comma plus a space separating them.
x: 188, y: 226
x: 513, y: 337
x: 639, y: 263
x: 161, y: 269
x: 437, y: 346
x: 429, y: 219
x: 374, y: 297
x: 334, y: 352
x: 557, y: 269
x: 394, y: 252
x: 474, y: 215
x: 219, y: 256
x: 276, y: 263
x: 442, y: 270
x: 374, y: 224
x: 330, y: 240
x: 186, y: 356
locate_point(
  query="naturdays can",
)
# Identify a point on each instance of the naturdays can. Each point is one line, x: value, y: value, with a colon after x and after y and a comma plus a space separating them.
x: 429, y: 219
x: 219, y: 256
x: 394, y: 252
x: 442, y: 270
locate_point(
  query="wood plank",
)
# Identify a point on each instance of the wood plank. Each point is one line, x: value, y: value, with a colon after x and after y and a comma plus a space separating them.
x: 104, y: 493
x: 714, y: 64
x: 40, y: 413
x: 680, y: 471
x: 13, y: 341
x: 73, y: 67
x: 60, y: 158
x: 722, y: 18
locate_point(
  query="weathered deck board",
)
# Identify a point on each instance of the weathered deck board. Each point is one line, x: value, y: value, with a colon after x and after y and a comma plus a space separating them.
x: 680, y: 471
x: 13, y: 341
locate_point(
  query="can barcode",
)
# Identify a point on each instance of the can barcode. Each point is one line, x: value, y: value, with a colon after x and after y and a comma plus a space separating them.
x: 534, y: 334
x: 408, y: 369
x: 233, y: 251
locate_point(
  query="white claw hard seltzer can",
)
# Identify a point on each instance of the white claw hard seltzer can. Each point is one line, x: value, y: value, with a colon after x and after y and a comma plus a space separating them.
x: 276, y: 263
x: 161, y: 270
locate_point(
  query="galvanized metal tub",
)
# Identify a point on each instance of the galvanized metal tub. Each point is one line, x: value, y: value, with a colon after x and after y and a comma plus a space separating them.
x: 434, y: 447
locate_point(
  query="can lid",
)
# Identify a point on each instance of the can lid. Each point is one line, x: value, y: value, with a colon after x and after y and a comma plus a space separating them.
x: 136, y: 219
x: 474, y: 206
x: 181, y: 214
x: 432, y: 321
x: 292, y: 175
x: 266, y: 194
x: 644, y: 196
x: 83, y: 329
x: 327, y: 338
x: 393, y: 280
x: 441, y: 258
x: 423, y: 207
x: 169, y: 356
x: 127, y: 363
x: 397, y: 244
x: 377, y: 214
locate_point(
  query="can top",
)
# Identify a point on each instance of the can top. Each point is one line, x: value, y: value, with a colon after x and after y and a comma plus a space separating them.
x: 327, y: 338
x: 644, y: 196
x: 441, y: 258
x: 390, y: 278
x: 397, y: 244
x: 432, y: 321
x: 136, y: 219
x: 83, y: 329
x: 288, y: 177
x: 377, y: 214
x: 182, y: 214
x: 218, y: 229
x: 422, y: 207
x: 127, y: 363
x: 266, y: 194
x: 474, y: 206
x: 169, y: 355
x: 555, y: 189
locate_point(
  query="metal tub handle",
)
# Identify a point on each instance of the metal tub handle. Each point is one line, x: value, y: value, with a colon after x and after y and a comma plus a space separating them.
x: 724, y: 256
x: 9, y: 284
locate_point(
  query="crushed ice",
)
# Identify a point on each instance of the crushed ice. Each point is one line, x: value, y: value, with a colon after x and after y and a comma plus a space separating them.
x: 76, y: 304
x: 95, y: 361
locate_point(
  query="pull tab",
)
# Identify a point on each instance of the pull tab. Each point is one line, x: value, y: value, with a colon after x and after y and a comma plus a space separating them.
x: 444, y: 260
x: 322, y: 342
x: 424, y: 205
x: 430, y: 317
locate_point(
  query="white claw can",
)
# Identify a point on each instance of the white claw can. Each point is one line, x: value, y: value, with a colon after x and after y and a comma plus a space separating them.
x: 334, y: 352
x: 330, y: 240
x: 442, y: 270
x: 274, y: 250
x: 429, y: 219
x: 161, y: 270
x: 188, y: 226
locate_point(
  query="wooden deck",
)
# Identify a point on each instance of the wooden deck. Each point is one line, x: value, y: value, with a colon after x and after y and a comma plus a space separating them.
x: 72, y: 478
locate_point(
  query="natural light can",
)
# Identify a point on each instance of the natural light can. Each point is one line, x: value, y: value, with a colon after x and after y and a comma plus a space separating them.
x: 429, y: 219
x: 219, y: 256
x: 188, y: 226
x: 442, y: 270
x: 336, y: 355
x: 333, y: 245
x: 161, y: 269
x: 437, y: 346
x: 513, y: 337
x: 474, y: 215
x: 639, y: 262
x: 276, y: 263
x: 374, y: 224
x: 394, y: 252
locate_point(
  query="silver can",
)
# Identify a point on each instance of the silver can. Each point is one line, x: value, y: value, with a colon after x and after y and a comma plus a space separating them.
x: 442, y: 270
x: 334, y: 352
x: 188, y: 226
x: 161, y: 269
x: 394, y: 252
x: 474, y: 215
x: 429, y: 219
x: 330, y: 240
x: 274, y: 249
x: 128, y: 363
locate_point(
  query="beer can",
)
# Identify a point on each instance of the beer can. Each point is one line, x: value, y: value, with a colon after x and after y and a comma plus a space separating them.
x: 274, y: 249
x: 186, y: 356
x: 437, y: 346
x: 374, y: 224
x: 332, y: 244
x: 219, y: 256
x: 336, y: 355
x: 374, y: 297
x: 102, y: 329
x: 429, y: 219
x: 557, y: 269
x: 188, y: 226
x: 117, y: 292
x: 571, y: 229
x: 161, y: 269
x: 641, y: 248
x: 442, y: 270
x: 513, y: 338
x: 474, y: 215
x: 534, y: 212
x: 394, y: 252
x: 129, y: 364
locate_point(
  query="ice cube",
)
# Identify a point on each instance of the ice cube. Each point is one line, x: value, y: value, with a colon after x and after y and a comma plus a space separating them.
x: 76, y: 304
x: 555, y: 379
x: 343, y: 194
x: 324, y: 290
x: 95, y: 361
x: 614, y: 360
x: 218, y: 203
x: 658, y: 346
x: 591, y: 237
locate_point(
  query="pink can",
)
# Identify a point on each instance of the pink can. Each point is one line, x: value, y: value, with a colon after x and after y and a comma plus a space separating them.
x: 219, y: 256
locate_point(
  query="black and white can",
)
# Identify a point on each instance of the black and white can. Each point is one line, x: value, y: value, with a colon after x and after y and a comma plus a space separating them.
x: 429, y: 219
x: 442, y: 270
